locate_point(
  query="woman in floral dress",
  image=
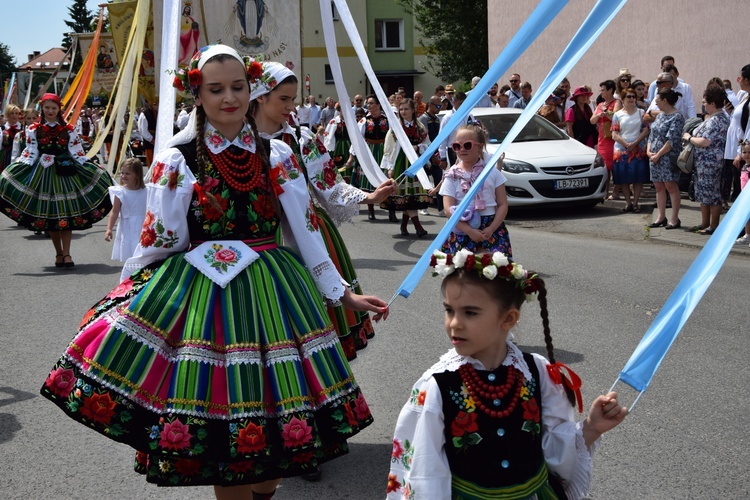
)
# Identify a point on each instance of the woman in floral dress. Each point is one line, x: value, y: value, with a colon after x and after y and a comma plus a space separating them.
x: 215, y: 359
x: 335, y: 201
x: 709, y: 139
x: 664, y: 146
x: 52, y: 187
x: 411, y: 195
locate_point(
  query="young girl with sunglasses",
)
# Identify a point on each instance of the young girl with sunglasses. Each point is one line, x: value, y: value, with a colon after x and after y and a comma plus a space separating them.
x: 482, y: 226
x: 488, y: 420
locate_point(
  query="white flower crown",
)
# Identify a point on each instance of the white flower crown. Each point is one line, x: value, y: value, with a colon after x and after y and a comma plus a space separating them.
x: 488, y: 266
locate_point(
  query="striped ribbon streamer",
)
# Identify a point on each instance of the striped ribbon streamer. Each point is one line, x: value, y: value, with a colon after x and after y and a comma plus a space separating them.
x: 663, y: 331
x: 351, y: 29
x: 537, y: 22
x: 367, y: 162
x: 598, y: 19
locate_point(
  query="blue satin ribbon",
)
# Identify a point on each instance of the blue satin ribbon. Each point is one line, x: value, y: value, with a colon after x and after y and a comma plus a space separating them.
x: 544, y: 13
x: 598, y: 19
x: 657, y: 340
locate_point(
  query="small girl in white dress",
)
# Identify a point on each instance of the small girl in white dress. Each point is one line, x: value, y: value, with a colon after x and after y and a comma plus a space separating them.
x: 129, y: 204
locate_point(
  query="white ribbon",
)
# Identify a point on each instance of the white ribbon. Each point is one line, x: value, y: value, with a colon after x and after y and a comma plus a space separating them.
x: 170, y: 36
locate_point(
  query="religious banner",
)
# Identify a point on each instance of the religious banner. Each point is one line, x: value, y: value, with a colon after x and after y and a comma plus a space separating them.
x: 106, y: 67
x: 259, y: 28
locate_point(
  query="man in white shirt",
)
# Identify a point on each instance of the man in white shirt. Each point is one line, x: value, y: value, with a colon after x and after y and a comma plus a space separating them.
x: 652, y: 87
x: 303, y: 114
x: 685, y: 103
x: 514, y: 94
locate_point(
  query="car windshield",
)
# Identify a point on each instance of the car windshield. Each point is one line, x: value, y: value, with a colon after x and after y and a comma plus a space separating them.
x: 538, y: 129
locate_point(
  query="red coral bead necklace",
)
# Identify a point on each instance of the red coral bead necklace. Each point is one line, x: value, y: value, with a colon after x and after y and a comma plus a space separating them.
x: 242, y: 171
x: 480, y: 390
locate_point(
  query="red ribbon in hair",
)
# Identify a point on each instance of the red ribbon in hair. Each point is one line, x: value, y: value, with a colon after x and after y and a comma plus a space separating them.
x: 560, y: 373
x: 277, y: 172
x: 202, y: 198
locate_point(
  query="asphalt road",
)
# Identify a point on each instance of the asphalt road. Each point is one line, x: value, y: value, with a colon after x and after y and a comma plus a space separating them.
x: 686, y: 439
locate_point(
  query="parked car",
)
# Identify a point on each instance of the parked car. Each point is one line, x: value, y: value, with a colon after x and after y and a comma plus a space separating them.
x: 544, y: 166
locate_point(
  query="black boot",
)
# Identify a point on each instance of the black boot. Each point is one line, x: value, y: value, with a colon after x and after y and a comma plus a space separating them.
x: 371, y: 212
x: 418, y: 226
x: 404, y: 222
x: 392, y: 216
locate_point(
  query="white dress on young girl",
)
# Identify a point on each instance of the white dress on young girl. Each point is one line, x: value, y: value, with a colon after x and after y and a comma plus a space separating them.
x: 132, y: 214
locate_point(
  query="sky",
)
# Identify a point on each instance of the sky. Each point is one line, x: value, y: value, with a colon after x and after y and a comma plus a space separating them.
x: 25, y: 36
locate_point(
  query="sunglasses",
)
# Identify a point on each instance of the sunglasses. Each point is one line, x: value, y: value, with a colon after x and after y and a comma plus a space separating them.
x: 514, y: 81
x: 630, y: 96
x: 466, y: 146
x: 624, y: 79
x: 659, y: 82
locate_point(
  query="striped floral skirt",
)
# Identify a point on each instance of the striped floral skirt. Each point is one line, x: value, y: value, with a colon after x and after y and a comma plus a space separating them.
x: 499, y: 242
x: 411, y: 195
x: 213, y: 385
x: 354, y: 328
x: 358, y: 177
x: 42, y: 200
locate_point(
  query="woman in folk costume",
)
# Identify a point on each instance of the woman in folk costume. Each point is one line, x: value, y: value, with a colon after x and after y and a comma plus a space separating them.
x: 272, y: 100
x: 411, y: 197
x: 52, y: 187
x: 215, y: 359
x: 373, y: 127
x: 8, y: 131
x: 338, y: 144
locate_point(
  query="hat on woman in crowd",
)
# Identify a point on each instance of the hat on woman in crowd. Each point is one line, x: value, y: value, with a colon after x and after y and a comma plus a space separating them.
x: 582, y: 90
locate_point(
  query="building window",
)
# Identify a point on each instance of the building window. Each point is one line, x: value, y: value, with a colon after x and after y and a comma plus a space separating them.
x: 334, y: 11
x: 389, y: 34
x: 328, y: 73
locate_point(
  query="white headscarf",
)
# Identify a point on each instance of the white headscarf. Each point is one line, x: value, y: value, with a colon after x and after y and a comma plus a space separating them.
x: 273, y: 74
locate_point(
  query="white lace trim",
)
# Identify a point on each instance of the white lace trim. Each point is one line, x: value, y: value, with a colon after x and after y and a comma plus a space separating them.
x: 213, y: 416
x: 579, y: 485
x: 451, y: 361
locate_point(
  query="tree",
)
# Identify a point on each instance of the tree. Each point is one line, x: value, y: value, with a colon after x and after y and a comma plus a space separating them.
x: 7, y: 66
x: 454, y: 36
x: 80, y: 21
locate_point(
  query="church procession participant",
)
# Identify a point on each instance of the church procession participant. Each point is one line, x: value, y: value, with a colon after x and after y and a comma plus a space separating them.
x: 335, y: 201
x: 215, y: 359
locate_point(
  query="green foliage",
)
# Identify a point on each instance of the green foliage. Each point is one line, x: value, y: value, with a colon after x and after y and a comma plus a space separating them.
x: 7, y: 62
x: 454, y: 34
x: 80, y: 21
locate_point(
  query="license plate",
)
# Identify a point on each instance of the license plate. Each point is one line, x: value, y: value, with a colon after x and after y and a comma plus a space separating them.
x: 571, y: 183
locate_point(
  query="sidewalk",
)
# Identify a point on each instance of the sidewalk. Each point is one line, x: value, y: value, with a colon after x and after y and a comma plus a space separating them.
x: 690, y: 215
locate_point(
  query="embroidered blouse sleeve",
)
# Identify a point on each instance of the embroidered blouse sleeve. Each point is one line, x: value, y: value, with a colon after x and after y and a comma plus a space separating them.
x: 31, y: 153
x: 419, y: 466
x: 75, y: 147
x: 300, y: 225
x: 16, y: 149
x: 338, y: 198
x: 391, y: 149
x: 165, y: 230
x: 562, y: 440
x: 330, y: 135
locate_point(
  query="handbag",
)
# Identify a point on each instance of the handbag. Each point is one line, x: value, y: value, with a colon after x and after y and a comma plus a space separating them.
x: 607, y: 129
x: 685, y: 162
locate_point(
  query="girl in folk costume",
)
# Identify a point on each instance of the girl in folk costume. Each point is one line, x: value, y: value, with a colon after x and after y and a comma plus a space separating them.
x: 215, y: 359
x: 12, y: 127
x: 337, y: 142
x: 52, y: 187
x: 272, y: 100
x: 488, y: 420
x: 411, y: 197
x: 129, y: 205
x: 19, y: 142
x: 482, y: 226
x: 373, y: 128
